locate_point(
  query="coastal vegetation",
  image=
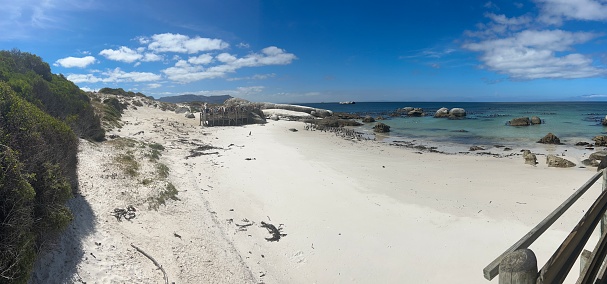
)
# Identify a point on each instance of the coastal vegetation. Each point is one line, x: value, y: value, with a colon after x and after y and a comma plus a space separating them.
x: 41, y: 117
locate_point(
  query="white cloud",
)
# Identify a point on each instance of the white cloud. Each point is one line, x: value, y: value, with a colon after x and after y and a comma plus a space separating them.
x: 154, y: 86
x: 533, y: 55
x: 178, y: 43
x: 243, y: 45
x: 22, y: 19
x: 80, y: 62
x: 123, y: 54
x: 150, y: 57
x: 201, y: 59
x: 185, y: 72
x: 113, y: 76
x: 254, y: 77
x: 555, y: 11
x: 525, y: 48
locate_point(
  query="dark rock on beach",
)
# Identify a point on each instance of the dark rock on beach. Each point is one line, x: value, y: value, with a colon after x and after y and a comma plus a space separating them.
x: 584, y: 144
x: 529, y: 157
x: 550, y: 139
x: 600, y: 140
x: 381, y: 128
x: 333, y: 122
x: 558, y: 162
x: 476, y: 148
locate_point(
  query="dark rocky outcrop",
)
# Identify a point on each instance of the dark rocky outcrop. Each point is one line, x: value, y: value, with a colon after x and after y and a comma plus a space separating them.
x: 529, y: 157
x: 550, y: 139
x: 345, y: 115
x: 368, y: 119
x: 584, y: 144
x: 520, y: 121
x: 558, y: 162
x: 333, y: 122
x: 600, y: 140
x: 476, y: 148
x: 416, y: 112
x: 381, y: 128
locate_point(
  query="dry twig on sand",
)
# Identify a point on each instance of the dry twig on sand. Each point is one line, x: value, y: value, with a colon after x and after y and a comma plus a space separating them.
x: 276, y: 234
x: 166, y: 278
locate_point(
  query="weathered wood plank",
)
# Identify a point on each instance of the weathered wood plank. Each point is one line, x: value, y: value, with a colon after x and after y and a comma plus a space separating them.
x: 492, y: 269
x: 558, y: 266
x: 594, y: 262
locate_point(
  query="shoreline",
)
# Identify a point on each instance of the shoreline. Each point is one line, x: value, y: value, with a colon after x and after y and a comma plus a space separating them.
x: 351, y: 211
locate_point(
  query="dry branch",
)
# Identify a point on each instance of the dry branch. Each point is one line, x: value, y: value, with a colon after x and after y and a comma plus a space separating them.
x: 166, y: 278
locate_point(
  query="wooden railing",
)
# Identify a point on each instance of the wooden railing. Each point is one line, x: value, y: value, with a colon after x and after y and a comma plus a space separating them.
x: 225, y: 116
x: 518, y: 264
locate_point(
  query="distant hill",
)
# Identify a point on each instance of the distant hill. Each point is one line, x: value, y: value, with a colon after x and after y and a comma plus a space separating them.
x: 195, y: 98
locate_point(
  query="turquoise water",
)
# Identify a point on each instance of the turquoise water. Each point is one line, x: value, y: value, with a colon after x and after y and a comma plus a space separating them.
x: 486, y: 123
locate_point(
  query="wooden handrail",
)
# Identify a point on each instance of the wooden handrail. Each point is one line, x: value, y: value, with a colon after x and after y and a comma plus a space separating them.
x: 558, y: 266
x: 592, y: 269
x: 492, y: 269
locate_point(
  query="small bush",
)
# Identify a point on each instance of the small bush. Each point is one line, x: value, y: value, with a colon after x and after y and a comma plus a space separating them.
x: 170, y: 192
x: 163, y: 171
x: 128, y: 163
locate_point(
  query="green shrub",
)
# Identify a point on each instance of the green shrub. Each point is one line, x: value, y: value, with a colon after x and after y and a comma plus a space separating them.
x: 38, y: 173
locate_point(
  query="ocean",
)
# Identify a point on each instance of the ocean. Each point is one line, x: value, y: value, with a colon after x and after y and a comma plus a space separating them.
x: 485, y: 123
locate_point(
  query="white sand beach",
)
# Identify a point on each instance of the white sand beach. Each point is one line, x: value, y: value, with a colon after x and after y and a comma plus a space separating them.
x: 349, y: 211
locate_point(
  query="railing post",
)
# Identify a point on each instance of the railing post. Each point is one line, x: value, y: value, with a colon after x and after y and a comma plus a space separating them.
x: 604, y: 218
x: 518, y: 267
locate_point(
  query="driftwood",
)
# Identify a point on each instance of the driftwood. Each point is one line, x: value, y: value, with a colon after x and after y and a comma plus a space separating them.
x: 276, y: 234
x: 166, y: 278
x: 242, y: 228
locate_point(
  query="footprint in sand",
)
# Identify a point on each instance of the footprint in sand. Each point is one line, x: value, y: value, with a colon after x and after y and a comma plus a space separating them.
x: 298, y: 257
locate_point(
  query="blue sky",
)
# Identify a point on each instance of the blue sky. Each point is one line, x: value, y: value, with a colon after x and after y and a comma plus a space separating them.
x: 321, y: 51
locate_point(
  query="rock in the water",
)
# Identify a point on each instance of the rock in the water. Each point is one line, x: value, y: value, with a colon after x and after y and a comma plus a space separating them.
x: 442, y: 112
x: 457, y: 112
x: 550, y: 139
x: 558, y: 162
x: 190, y: 115
x: 416, y: 112
x: 368, y: 119
x: 585, y: 144
x: 600, y: 140
x: 406, y: 109
x: 381, y: 128
x: 520, y: 121
x: 529, y: 157
x: 536, y: 120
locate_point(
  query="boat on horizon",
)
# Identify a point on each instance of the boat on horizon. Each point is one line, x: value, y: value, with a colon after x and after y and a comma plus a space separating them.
x: 347, y: 103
